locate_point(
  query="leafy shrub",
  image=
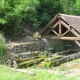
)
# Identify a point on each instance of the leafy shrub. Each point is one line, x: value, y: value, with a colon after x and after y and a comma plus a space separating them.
x: 48, y: 64
x: 2, y: 45
x: 55, y: 49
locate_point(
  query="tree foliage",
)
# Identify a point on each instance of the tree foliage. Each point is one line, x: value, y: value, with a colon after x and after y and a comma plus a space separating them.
x: 36, y: 12
x: 12, y: 12
x: 71, y: 6
x: 47, y: 10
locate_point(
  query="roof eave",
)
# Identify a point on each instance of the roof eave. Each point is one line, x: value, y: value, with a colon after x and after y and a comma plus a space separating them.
x: 50, y: 23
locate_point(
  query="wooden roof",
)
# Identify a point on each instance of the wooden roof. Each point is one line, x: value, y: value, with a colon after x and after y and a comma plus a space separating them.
x: 73, y: 21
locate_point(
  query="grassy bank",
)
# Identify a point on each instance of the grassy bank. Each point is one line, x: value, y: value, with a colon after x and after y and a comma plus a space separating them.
x: 41, y: 74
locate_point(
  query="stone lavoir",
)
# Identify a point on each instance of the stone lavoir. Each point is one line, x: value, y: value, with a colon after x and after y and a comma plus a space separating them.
x: 24, y: 49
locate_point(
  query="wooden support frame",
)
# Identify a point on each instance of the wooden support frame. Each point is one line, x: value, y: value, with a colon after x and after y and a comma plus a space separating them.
x: 57, y: 23
x: 55, y: 32
x: 77, y: 43
x: 70, y: 38
x: 72, y: 30
x: 62, y: 38
x: 60, y: 31
x: 65, y: 33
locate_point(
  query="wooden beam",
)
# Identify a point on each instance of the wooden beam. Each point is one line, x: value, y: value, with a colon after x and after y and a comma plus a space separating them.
x: 51, y: 27
x: 72, y: 30
x: 62, y: 52
x: 51, y: 37
x: 69, y: 23
x: 77, y: 43
x: 65, y: 33
x: 55, y: 25
x: 60, y: 31
x: 70, y: 38
x: 49, y: 24
x: 55, y: 32
x: 62, y: 38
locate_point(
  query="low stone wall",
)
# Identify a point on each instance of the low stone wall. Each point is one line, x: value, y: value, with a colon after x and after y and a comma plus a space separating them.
x: 56, y: 43
x: 25, y: 47
x: 16, y: 50
x: 64, y: 44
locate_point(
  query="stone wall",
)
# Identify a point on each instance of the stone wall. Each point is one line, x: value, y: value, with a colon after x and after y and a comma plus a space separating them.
x: 56, y: 43
x: 24, y: 50
x: 64, y: 44
x: 28, y: 46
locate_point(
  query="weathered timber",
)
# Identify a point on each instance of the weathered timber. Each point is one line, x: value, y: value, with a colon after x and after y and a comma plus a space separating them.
x: 60, y: 30
x: 50, y: 24
x: 48, y: 61
x: 72, y: 30
x: 70, y: 38
x: 57, y: 23
x: 26, y: 59
x: 55, y: 57
x: 30, y: 62
x: 66, y: 59
x: 55, y: 32
x: 62, y: 38
x: 77, y: 43
x: 63, y: 52
x: 65, y: 33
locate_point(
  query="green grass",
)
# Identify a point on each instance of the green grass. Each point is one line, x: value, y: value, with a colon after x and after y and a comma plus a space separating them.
x: 41, y: 74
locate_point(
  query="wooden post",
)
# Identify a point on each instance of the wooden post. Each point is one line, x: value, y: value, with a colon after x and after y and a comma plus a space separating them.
x: 60, y: 31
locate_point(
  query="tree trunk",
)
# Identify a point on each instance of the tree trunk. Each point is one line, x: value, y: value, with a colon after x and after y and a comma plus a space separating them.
x: 66, y: 59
